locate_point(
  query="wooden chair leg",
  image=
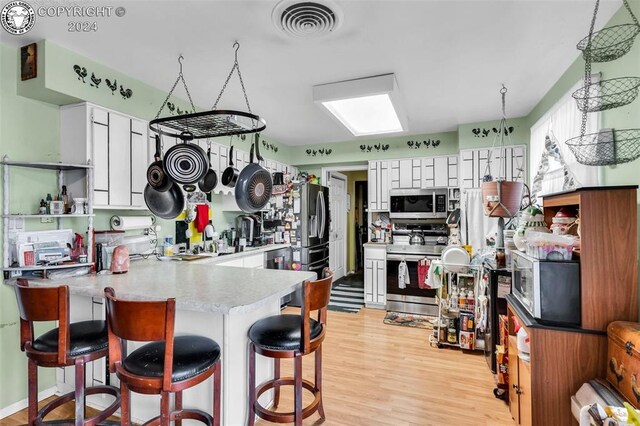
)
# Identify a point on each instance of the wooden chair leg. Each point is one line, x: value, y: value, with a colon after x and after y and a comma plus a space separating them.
x: 125, y: 404
x: 165, y: 414
x: 298, y: 390
x: 79, y: 392
x: 178, y: 405
x: 276, y: 389
x: 318, y: 379
x: 252, y: 385
x: 32, y: 371
x: 217, y: 390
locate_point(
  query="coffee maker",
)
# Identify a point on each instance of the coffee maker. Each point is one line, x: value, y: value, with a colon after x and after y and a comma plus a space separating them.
x: 248, y: 227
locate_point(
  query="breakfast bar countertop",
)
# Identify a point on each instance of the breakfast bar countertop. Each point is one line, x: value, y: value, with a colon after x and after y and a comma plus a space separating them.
x: 197, y: 286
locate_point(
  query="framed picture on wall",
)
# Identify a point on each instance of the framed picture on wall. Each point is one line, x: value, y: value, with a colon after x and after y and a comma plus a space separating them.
x: 29, y: 61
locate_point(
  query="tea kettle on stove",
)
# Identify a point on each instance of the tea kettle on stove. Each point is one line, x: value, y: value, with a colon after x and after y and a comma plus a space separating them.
x: 416, y: 238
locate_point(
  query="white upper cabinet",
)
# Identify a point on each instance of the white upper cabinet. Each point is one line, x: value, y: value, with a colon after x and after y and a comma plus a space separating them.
x: 116, y: 144
x: 440, y: 171
x: 406, y: 173
x: 379, y: 185
x: 473, y: 164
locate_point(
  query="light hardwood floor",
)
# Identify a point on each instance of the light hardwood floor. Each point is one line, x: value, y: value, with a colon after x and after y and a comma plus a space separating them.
x: 378, y: 374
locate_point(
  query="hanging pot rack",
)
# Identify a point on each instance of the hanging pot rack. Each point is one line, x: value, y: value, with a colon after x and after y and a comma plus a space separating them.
x: 208, y: 124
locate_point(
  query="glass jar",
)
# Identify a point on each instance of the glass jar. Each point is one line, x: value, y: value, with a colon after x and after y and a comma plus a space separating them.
x: 451, y: 335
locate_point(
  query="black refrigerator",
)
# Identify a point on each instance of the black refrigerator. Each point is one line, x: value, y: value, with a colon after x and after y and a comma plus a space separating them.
x: 310, y: 238
x: 498, y: 286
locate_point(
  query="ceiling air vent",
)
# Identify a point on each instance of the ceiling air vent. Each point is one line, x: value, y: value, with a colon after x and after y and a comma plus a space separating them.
x: 306, y: 19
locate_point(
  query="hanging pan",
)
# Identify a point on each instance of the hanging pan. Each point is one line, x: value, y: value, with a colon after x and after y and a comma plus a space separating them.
x: 186, y: 163
x: 255, y: 185
x: 168, y: 204
x: 210, y: 180
x: 156, y: 176
x: 230, y: 174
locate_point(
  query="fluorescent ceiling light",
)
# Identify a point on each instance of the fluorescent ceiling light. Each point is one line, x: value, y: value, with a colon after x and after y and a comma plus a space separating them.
x: 365, y: 106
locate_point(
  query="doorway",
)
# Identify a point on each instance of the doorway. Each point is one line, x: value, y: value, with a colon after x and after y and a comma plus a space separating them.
x: 348, y: 217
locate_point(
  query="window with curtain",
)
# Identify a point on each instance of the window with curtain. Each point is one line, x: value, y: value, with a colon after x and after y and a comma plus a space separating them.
x: 562, y: 121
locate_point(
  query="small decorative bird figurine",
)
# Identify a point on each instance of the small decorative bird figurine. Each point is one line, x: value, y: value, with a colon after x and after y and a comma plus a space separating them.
x: 95, y: 82
x: 384, y: 147
x: 485, y: 133
x: 329, y: 151
x: 476, y: 132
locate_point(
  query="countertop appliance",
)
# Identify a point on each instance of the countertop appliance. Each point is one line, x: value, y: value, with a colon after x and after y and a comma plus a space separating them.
x: 413, y: 299
x: 249, y: 228
x: 498, y: 286
x: 418, y: 203
x: 310, y: 241
x: 548, y: 289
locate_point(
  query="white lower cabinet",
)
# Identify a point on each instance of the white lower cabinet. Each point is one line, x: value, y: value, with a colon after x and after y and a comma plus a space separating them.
x: 254, y: 261
x: 375, y: 276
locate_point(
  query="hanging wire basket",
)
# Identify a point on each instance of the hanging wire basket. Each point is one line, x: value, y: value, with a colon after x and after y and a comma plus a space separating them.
x: 607, y: 94
x: 607, y: 147
x: 609, y: 43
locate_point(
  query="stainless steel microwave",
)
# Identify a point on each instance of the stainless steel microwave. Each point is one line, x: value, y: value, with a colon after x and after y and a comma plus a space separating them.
x: 418, y: 203
x: 548, y: 289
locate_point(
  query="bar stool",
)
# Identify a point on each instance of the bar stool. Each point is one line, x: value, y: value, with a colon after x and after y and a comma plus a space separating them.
x: 291, y: 336
x: 69, y: 344
x: 168, y: 365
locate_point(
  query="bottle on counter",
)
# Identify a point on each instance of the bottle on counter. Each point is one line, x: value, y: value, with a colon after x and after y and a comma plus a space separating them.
x: 65, y: 199
x: 49, y: 200
x: 453, y: 301
x: 43, y: 207
x: 462, y: 300
x: 470, y: 299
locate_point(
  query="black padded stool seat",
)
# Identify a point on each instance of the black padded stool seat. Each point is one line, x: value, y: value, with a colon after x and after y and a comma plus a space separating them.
x: 192, y: 355
x: 281, y: 332
x: 85, y: 337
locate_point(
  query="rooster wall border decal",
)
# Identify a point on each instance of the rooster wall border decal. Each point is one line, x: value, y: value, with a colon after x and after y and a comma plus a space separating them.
x: 319, y: 151
x: 425, y: 144
x: 483, y: 133
x: 95, y: 81
x: 269, y: 146
x: 377, y: 147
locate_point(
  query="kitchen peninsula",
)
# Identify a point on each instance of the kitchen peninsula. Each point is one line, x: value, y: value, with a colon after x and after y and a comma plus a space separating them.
x: 220, y: 302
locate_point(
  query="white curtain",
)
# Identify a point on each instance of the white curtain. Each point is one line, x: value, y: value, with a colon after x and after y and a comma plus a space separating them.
x: 563, y: 120
x: 475, y: 226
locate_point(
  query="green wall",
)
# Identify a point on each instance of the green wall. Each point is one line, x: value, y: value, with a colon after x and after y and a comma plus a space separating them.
x: 28, y: 131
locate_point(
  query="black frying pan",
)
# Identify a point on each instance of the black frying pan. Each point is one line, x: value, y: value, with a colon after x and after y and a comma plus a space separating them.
x: 210, y: 180
x: 255, y: 185
x: 230, y: 174
x: 156, y: 176
x: 186, y: 163
x: 168, y: 204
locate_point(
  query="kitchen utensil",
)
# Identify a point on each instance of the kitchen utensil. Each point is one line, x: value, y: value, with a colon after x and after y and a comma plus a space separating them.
x: 168, y: 204
x: 230, y: 174
x: 255, y: 185
x: 278, y: 178
x: 186, y: 163
x: 416, y: 238
x: 455, y: 259
x: 156, y: 176
x: 210, y: 180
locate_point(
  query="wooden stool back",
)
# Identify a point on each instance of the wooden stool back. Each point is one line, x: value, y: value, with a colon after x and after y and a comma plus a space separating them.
x: 316, y: 298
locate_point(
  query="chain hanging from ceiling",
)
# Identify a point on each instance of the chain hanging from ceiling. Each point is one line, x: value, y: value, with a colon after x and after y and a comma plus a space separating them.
x: 607, y: 146
x: 209, y: 124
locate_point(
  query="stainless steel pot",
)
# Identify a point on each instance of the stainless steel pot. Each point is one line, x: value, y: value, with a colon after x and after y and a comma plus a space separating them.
x: 416, y: 239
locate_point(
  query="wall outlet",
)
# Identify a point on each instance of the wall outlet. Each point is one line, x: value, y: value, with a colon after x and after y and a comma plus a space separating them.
x: 46, y: 220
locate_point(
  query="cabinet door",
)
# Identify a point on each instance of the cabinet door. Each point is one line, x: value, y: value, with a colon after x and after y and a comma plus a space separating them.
x: 119, y: 160
x: 373, y: 185
x: 416, y: 164
x: 453, y: 170
x: 100, y: 150
x: 384, y: 186
x: 255, y: 261
x: 428, y: 178
x: 466, y: 169
x: 524, y: 385
x: 406, y: 173
x: 441, y: 172
x: 139, y: 164
x: 514, y: 405
x: 394, y: 175
x: 381, y: 274
x: 369, y: 276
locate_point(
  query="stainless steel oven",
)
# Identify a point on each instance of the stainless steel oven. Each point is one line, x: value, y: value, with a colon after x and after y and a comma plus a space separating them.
x: 411, y: 299
x: 418, y: 203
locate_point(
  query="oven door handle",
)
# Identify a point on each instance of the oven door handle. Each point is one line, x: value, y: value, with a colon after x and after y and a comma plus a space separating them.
x: 405, y: 257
